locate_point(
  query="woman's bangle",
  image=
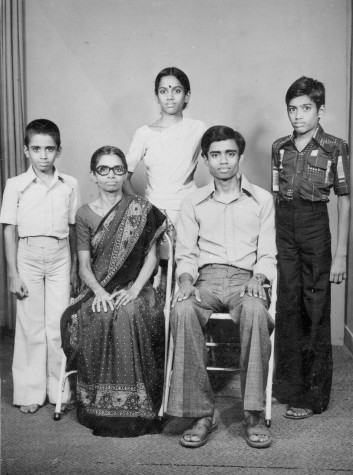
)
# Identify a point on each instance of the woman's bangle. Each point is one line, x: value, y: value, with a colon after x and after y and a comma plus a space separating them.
x: 96, y: 287
x: 91, y: 282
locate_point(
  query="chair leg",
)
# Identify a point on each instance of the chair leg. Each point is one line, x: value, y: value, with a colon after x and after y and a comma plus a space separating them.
x: 269, y: 384
x: 61, y: 387
x: 169, y: 347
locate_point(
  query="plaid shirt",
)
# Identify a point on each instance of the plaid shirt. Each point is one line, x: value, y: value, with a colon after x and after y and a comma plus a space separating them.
x: 311, y: 173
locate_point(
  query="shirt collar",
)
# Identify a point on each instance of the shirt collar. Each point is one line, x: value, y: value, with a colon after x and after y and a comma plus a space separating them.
x: 318, y: 137
x: 208, y: 190
x: 29, y: 176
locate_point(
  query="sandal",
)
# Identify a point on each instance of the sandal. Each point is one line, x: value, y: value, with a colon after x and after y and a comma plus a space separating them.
x: 201, y: 428
x: 308, y: 413
x: 255, y: 425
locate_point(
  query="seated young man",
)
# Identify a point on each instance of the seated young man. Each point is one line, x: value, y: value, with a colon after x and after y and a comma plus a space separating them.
x: 225, y: 252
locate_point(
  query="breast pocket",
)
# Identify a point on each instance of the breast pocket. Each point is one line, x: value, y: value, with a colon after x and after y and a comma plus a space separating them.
x: 61, y: 210
x: 318, y: 169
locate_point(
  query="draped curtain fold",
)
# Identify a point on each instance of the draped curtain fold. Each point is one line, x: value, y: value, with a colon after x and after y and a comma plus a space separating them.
x: 348, y: 337
x: 12, y: 120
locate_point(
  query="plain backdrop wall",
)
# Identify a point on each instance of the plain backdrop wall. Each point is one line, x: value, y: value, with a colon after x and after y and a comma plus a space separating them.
x: 90, y: 67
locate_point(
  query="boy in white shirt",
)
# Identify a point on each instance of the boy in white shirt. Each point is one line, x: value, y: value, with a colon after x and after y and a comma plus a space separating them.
x: 42, y: 204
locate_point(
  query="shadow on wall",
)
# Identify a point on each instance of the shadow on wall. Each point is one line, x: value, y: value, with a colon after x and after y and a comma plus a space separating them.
x: 257, y: 163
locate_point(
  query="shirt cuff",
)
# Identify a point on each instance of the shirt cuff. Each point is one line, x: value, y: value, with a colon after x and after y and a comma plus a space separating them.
x: 268, y: 270
x: 189, y: 269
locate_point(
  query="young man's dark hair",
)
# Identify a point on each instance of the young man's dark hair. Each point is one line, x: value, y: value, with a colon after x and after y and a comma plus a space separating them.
x: 218, y: 133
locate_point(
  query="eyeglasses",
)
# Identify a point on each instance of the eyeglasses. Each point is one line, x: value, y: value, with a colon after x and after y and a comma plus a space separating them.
x: 104, y: 170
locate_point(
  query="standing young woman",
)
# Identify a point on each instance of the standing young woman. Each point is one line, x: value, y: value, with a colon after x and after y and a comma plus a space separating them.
x: 170, y: 148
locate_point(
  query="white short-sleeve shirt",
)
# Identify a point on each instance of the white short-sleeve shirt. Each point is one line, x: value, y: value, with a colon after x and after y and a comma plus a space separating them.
x: 171, y: 157
x: 39, y: 210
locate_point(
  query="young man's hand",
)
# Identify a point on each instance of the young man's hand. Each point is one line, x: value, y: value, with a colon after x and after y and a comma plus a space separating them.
x: 186, y: 289
x: 18, y: 287
x: 254, y: 288
x: 338, y: 270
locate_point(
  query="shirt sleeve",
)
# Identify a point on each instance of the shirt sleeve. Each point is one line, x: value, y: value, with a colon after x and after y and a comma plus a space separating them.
x: 275, y: 170
x: 9, y: 206
x: 136, y: 151
x: 75, y: 201
x: 266, y: 246
x: 83, y: 232
x: 187, y: 250
x: 342, y: 179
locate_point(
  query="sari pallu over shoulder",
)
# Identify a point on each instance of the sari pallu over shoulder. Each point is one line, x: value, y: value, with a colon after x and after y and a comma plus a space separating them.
x: 119, y: 246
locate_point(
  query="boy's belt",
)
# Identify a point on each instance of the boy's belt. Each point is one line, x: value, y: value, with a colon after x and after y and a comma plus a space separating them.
x: 42, y: 240
x: 295, y: 204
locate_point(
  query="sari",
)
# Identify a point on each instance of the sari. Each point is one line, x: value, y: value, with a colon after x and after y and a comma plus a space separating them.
x: 118, y: 354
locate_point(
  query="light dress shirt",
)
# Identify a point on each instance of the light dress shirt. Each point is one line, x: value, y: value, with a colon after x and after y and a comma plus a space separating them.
x: 39, y: 210
x: 240, y: 233
x: 170, y: 156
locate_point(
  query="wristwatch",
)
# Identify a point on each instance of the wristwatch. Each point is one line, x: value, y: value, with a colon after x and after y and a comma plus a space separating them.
x: 259, y: 278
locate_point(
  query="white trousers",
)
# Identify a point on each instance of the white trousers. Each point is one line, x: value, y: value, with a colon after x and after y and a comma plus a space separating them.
x: 44, y: 266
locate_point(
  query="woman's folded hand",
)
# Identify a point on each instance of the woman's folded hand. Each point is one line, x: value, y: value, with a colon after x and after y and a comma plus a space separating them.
x: 124, y: 296
x: 102, y: 298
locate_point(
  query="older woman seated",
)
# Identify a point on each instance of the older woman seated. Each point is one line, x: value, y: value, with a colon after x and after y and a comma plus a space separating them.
x: 113, y: 331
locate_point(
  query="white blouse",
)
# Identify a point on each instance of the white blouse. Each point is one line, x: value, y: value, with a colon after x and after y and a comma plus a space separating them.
x: 171, y: 157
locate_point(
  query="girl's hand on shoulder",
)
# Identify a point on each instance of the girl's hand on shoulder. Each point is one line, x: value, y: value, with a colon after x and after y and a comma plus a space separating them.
x: 102, y: 299
x: 124, y: 296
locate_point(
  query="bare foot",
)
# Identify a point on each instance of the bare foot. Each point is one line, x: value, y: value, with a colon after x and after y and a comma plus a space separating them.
x: 31, y: 409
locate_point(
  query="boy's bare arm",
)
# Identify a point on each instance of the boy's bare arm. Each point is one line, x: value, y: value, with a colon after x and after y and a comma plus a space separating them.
x: 338, y: 267
x: 17, y: 286
x: 74, y: 278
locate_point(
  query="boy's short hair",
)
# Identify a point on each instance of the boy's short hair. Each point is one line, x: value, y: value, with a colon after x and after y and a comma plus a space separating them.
x: 217, y: 133
x: 307, y: 87
x: 107, y: 150
x: 43, y: 127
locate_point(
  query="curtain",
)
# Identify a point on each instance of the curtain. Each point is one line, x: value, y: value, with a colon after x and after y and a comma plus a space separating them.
x: 11, y: 123
x: 348, y: 335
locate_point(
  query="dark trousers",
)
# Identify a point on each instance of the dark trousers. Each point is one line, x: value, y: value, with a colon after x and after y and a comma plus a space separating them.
x: 303, y: 363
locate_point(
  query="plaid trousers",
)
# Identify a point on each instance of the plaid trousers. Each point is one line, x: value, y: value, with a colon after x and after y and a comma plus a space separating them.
x: 219, y: 285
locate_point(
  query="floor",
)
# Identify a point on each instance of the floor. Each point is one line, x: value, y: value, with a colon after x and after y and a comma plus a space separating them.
x: 322, y: 444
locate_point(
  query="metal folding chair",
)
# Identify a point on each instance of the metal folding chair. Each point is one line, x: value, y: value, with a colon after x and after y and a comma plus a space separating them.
x: 212, y: 345
x: 62, y: 381
x: 169, y: 346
